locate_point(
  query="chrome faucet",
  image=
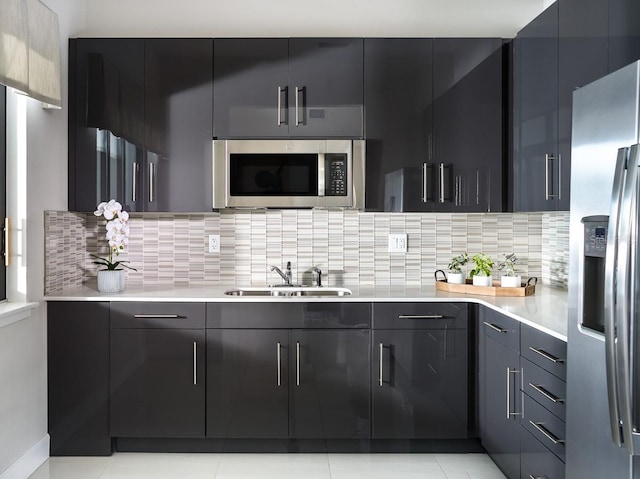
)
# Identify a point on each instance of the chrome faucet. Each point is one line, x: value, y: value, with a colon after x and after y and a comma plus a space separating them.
x: 286, y: 277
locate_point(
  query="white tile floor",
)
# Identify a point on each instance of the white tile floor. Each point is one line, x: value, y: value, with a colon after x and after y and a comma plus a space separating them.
x: 270, y: 466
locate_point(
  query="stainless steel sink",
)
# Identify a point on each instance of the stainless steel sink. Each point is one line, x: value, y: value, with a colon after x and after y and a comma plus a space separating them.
x: 288, y: 291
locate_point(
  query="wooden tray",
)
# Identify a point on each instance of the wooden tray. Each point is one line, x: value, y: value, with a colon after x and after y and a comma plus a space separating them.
x: 527, y: 289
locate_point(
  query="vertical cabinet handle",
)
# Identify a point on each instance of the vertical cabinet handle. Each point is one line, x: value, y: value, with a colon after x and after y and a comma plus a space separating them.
x: 298, y: 91
x: 509, y: 373
x: 151, y: 181
x: 195, y: 363
x: 7, y: 242
x: 380, y: 381
x: 280, y: 91
x: 134, y: 188
x: 441, y: 196
x: 426, y: 194
x: 549, y: 191
x: 278, y: 367
x: 297, y: 364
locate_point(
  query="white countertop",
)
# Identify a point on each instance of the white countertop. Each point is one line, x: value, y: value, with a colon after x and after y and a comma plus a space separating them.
x: 546, y: 310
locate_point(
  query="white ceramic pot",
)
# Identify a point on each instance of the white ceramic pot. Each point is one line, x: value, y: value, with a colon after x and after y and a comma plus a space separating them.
x: 482, y: 280
x: 111, y: 281
x: 455, y: 278
x: 510, y: 281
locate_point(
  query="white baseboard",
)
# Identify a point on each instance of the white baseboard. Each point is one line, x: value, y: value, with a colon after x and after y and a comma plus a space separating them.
x: 31, y: 460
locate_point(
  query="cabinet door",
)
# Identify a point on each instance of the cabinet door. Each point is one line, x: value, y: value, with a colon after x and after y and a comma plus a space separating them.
x: 106, y: 122
x: 419, y: 385
x: 536, y: 114
x: 398, y: 96
x: 468, y: 150
x: 624, y: 33
x: 178, y: 96
x: 582, y: 55
x: 248, y: 74
x: 157, y: 383
x: 330, y: 384
x: 326, y: 87
x: 247, y: 383
x: 500, y: 404
x: 78, y: 377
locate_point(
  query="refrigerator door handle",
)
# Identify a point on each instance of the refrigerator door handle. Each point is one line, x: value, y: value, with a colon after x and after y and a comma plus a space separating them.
x: 628, y: 224
x: 610, y: 295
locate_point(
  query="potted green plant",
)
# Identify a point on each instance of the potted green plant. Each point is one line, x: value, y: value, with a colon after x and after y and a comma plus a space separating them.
x: 455, y: 275
x: 509, y: 278
x: 481, y: 273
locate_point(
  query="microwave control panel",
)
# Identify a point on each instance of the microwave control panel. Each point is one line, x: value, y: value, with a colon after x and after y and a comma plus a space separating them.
x: 335, y: 175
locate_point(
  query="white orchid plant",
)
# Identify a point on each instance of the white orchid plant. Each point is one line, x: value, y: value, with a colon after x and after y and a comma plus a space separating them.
x: 117, y: 233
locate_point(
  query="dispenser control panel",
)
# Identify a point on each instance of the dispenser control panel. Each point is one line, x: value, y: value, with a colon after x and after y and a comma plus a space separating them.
x: 595, y: 239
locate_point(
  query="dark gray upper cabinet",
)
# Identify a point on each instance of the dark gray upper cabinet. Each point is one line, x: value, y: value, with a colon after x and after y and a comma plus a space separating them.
x: 398, y: 99
x: 434, y: 122
x: 106, y: 122
x: 583, y: 58
x: 178, y: 124
x: 535, y: 166
x: 299, y: 87
x: 468, y: 143
x: 624, y: 33
x: 140, y: 123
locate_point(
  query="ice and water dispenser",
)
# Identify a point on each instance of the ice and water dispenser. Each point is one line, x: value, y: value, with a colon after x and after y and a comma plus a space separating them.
x: 595, y: 245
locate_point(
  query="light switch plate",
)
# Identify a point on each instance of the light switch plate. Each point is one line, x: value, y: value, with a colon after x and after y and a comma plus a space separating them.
x: 398, y: 243
x: 214, y: 243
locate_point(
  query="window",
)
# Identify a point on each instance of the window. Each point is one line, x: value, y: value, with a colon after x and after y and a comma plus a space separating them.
x: 3, y: 184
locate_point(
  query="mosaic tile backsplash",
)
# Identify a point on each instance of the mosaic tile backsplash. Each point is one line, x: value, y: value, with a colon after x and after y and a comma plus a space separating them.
x: 350, y: 247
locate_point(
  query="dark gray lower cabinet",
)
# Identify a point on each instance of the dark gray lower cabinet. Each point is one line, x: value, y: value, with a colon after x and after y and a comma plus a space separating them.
x: 78, y: 378
x: 420, y: 384
x: 420, y: 381
x: 247, y: 383
x: 284, y: 370
x: 157, y: 378
x: 330, y: 383
x: 499, y: 390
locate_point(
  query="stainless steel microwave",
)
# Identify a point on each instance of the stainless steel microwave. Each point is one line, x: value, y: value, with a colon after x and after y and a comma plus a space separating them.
x: 288, y: 174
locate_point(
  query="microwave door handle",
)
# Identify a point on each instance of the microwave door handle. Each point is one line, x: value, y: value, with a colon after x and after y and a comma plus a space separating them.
x: 623, y: 299
x: 610, y: 295
x: 321, y: 175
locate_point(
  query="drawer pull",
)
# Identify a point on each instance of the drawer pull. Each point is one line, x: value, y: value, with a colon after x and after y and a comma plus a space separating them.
x: 156, y: 316
x: 545, y: 393
x: 495, y: 328
x: 546, y: 433
x: 420, y: 316
x: 531, y: 476
x: 546, y: 355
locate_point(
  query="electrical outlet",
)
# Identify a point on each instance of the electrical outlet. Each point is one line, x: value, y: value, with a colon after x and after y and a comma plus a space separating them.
x: 214, y: 243
x: 398, y: 243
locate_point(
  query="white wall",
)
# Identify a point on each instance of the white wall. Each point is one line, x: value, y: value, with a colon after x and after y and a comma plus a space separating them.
x: 43, y: 175
x: 255, y: 18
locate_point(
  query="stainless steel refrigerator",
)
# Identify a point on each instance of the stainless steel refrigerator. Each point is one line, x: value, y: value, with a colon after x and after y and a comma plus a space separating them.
x: 603, y: 370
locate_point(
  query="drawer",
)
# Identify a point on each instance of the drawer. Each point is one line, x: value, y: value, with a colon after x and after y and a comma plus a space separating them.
x: 544, y: 350
x: 140, y: 315
x: 544, y: 426
x: 502, y: 328
x: 284, y: 315
x: 420, y: 316
x: 536, y: 460
x: 545, y: 388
